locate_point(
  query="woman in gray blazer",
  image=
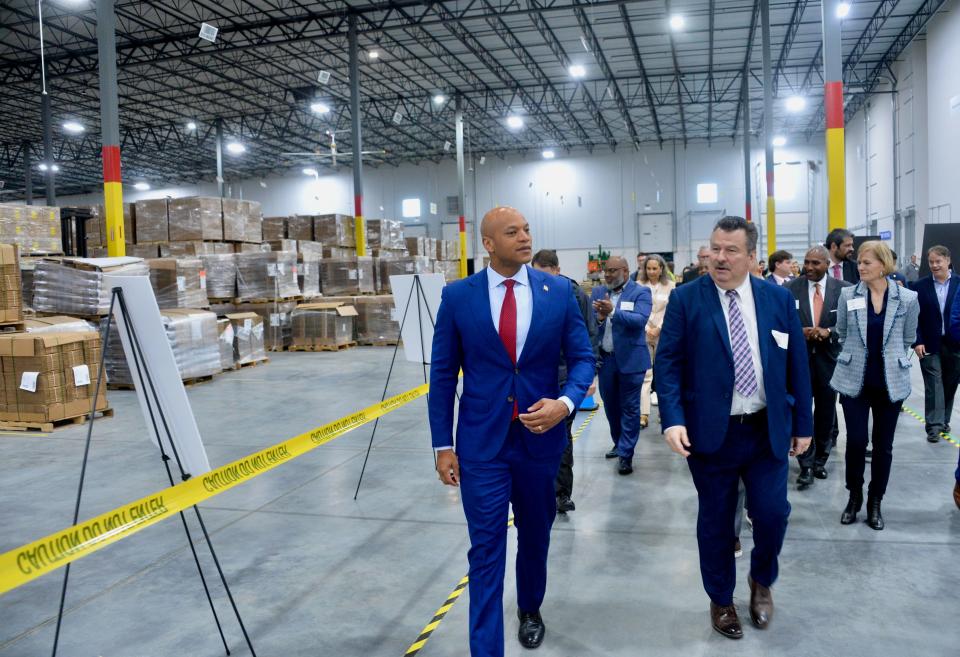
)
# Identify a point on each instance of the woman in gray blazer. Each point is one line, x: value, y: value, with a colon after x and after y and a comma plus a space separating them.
x: 876, y: 324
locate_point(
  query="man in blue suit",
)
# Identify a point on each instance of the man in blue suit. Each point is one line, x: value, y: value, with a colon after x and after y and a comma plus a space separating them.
x: 937, y: 349
x: 621, y: 309
x: 734, y: 389
x: 506, y: 328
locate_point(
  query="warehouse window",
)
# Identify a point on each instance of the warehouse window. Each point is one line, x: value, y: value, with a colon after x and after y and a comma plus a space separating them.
x: 707, y: 193
x: 411, y: 208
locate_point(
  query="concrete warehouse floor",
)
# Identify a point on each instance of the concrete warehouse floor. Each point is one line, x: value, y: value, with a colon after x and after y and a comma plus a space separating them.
x: 316, y: 573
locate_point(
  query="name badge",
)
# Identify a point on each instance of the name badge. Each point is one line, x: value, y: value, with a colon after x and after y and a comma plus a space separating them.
x: 626, y: 305
x: 858, y: 303
x: 798, y: 303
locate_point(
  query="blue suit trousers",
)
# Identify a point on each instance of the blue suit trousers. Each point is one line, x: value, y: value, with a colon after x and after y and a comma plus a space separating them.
x: 745, y: 454
x: 621, y: 404
x: 487, y: 488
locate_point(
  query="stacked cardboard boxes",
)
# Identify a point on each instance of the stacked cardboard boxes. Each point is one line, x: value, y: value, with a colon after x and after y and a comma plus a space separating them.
x: 33, y: 228
x: 387, y: 267
x: 74, y: 286
x: 267, y: 275
x: 327, y: 325
x: 179, y: 282
x: 385, y: 234
x: 11, y: 295
x: 274, y: 228
x: 347, y: 276
x: 221, y: 275
x: 153, y: 224
x: 195, y: 218
x: 278, y: 327
x: 335, y: 230
x: 376, y: 324
x: 248, y: 338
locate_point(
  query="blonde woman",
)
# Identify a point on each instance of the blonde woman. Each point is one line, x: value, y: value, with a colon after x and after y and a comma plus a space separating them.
x: 876, y: 324
x: 655, y: 278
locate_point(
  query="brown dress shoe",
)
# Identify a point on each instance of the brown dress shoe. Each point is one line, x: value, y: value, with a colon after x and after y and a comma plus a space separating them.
x: 956, y: 494
x: 725, y: 621
x: 761, y: 604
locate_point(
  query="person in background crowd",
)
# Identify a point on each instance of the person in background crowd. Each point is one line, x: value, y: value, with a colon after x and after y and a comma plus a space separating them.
x: 621, y: 308
x: 796, y: 269
x: 735, y: 400
x: 546, y: 260
x: 762, y: 269
x: 936, y: 348
x: 817, y: 297
x: 703, y: 256
x: 877, y: 325
x: 641, y: 258
x: 781, y: 270
x: 895, y: 275
x: 839, y: 243
x: 911, y: 271
x: 509, y: 433
x: 660, y: 287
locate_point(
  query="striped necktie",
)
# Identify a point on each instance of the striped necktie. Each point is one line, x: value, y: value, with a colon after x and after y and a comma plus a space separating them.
x: 745, y: 379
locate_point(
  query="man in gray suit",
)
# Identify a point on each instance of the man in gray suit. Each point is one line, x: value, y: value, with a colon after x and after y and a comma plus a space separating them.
x: 817, y: 295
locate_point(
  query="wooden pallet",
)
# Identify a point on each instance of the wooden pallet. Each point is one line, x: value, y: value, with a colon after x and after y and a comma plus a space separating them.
x: 378, y: 343
x: 240, y: 366
x: 278, y: 347
x: 239, y: 300
x: 322, y: 347
x: 186, y: 382
x: 47, y: 427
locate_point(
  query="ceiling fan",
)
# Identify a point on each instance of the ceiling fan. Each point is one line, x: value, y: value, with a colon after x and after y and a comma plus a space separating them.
x: 334, y: 153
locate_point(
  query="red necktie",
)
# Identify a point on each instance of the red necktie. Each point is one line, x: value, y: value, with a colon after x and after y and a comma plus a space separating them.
x: 837, y: 274
x: 508, y: 328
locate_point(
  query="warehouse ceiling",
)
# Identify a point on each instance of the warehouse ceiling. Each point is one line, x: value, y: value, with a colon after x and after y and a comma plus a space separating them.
x: 643, y: 82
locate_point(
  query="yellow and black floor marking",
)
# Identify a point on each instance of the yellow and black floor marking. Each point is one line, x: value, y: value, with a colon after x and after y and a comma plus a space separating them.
x: 946, y: 436
x: 451, y: 600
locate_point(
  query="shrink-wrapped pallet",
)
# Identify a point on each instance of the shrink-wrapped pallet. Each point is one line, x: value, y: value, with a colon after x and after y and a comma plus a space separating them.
x: 323, y: 325
x: 347, y: 276
x: 269, y: 275
x: 276, y: 321
x: 57, y: 324
x: 248, y: 338
x: 193, y: 248
x: 449, y: 269
x: 225, y: 342
x: 11, y: 290
x: 179, y: 282
x: 234, y: 220
x: 417, y: 246
x: 334, y: 230
x: 153, y: 224
x: 387, y: 267
x: 33, y: 228
x: 274, y: 228
x: 339, y: 252
x: 221, y: 273
x: 283, y: 245
x: 144, y: 251
x: 308, y: 275
x: 74, y: 286
x: 385, y: 234
x: 300, y: 227
x: 195, y: 218
x: 375, y: 320
x: 253, y: 221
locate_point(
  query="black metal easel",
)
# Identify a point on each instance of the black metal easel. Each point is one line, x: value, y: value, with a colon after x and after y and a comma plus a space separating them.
x: 142, y: 373
x: 420, y: 294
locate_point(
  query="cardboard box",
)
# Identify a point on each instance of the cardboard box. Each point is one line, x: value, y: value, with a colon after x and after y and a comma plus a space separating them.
x: 376, y: 323
x: 449, y: 269
x: 387, y: 267
x: 193, y: 248
x: 57, y: 324
x: 347, y: 276
x: 417, y: 246
x: 11, y: 293
x: 195, y: 218
x: 179, y: 282
x: 253, y: 221
x: 327, y: 324
x: 274, y: 228
x: 300, y: 227
x: 334, y: 230
x: 153, y: 223
x: 276, y: 321
x: 234, y: 220
x: 33, y: 228
x: 221, y: 275
x: 248, y: 337
x: 270, y: 275
x: 385, y: 234
x: 74, y: 286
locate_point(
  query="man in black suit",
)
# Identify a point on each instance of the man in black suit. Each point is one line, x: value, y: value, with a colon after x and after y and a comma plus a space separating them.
x: 843, y: 264
x: 939, y: 354
x: 703, y: 258
x: 781, y: 268
x: 817, y: 297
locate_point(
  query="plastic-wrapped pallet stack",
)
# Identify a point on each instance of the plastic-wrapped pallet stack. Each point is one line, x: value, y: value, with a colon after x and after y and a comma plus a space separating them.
x: 195, y: 218
x: 11, y: 295
x: 225, y: 341
x: 74, y: 286
x: 152, y: 221
x: 308, y: 269
x: 319, y: 326
x: 276, y: 321
x: 33, y: 228
x: 347, y: 276
x: 385, y: 234
x: 387, y: 267
x: 248, y: 334
x: 274, y: 228
x: 221, y: 272
x: 376, y: 324
x: 335, y: 230
x: 267, y: 275
x: 179, y: 282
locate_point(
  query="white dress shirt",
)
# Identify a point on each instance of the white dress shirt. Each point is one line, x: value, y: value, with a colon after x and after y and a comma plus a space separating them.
x: 781, y: 281
x: 942, y: 290
x: 524, y: 299
x: 748, y: 311
x: 606, y: 342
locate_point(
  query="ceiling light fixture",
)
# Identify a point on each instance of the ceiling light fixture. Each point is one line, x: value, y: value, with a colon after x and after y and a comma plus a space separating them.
x: 843, y: 10
x: 323, y: 77
x: 55, y: 168
x: 677, y: 22
x: 577, y: 71
x: 208, y: 32
x: 73, y: 127
x: 549, y: 154
x: 319, y: 108
x: 141, y: 186
x: 514, y: 122
x: 796, y: 103
x: 779, y: 141
x: 439, y: 99
x: 310, y: 172
x: 373, y: 54
x: 236, y: 148
x: 191, y: 126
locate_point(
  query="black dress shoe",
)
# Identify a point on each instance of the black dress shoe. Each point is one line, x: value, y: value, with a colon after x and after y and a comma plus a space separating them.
x: 849, y: 515
x: 532, y: 629
x: 564, y: 504
x: 612, y: 454
x: 874, y: 517
x: 805, y: 480
x: 725, y: 621
x: 933, y: 437
x: 626, y: 466
x: 820, y: 472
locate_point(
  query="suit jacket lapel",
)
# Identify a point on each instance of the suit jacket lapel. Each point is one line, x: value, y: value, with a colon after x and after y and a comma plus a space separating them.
x: 538, y: 295
x: 951, y: 293
x: 482, y: 316
x: 862, y: 292
x: 763, y: 320
x: 806, y: 312
x: 712, y: 301
x: 831, y: 296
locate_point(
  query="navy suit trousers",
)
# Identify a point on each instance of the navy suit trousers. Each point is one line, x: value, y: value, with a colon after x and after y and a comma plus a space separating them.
x: 487, y: 489
x: 745, y: 454
x: 621, y: 404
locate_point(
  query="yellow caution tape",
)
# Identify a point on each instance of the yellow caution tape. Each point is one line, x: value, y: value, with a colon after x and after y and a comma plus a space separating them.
x: 26, y: 563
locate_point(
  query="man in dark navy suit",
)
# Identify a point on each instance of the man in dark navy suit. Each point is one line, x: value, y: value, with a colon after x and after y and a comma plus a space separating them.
x: 734, y: 389
x: 506, y: 328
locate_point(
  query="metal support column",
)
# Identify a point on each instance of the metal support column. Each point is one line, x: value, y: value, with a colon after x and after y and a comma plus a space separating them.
x: 48, y: 149
x: 356, y: 138
x: 460, y: 189
x: 833, y: 106
x: 110, y: 128
x: 745, y: 103
x: 768, y: 127
x: 27, y: 174
x: 219, y: 146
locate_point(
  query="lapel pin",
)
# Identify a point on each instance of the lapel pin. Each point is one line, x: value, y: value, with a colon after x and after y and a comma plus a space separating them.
x: 546, y: 289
